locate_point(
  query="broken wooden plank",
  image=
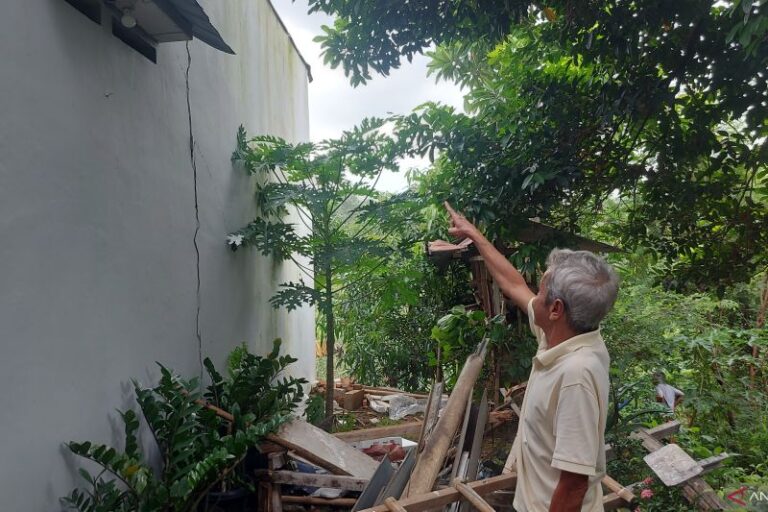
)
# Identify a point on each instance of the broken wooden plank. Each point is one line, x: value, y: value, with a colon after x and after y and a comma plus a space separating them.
x: 432, y: 457
x: 324, y: 449
x: 509, y: 396
x: 659, y: 432
x: 436, y: 499
x: 409, y: 429
x: 348, y: 483
x: 672, y: 465
x: 472, y: 497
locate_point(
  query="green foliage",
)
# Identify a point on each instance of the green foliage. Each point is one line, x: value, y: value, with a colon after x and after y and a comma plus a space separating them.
x: 315, y: 411
x: 255, y: 386
x: 197, y: 449
x: 386, y: 320
x: 373, y: 35
x: 700, y: 342
x: 318, y: 206
x: 662, y: 106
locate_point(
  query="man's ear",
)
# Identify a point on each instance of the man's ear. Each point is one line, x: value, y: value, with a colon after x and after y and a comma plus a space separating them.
x: 556, y: 310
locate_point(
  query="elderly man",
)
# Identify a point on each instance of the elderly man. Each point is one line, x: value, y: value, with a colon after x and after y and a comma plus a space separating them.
x: 558, y: 452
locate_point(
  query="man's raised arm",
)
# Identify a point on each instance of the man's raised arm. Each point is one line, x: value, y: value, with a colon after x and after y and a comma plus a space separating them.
x: 510, y: 281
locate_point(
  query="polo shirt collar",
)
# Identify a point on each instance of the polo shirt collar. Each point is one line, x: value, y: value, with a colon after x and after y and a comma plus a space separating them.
x: 551, y: 355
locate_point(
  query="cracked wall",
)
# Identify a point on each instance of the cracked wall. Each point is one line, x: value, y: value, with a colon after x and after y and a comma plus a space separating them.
x: 98, y: 275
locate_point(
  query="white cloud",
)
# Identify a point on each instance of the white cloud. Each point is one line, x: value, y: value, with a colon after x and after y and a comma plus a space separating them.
x: 334, y: 105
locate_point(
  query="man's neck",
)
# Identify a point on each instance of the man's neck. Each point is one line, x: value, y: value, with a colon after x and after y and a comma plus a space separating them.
x: 558, y: 334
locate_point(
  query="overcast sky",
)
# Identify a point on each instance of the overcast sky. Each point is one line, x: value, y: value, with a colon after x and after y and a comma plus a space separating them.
x: 334, y: 105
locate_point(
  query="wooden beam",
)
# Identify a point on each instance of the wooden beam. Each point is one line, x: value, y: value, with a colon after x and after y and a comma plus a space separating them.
x: 393, y: 505
x: 436, y: 499
x: 613, y: 501
x: 275, y: 503
x: 471, y: 496
x: 348, y: 483
x: 409, y: 429
x: 324, y: 502
x: 384, y: 391
x: 664, y: 430
x: 713, y: 462
x: 435, y: 448
x: 618, y: 489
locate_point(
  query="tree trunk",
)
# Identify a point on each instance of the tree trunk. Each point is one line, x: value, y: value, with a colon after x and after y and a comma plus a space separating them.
x: 760, y: 324
x: 330, y: 346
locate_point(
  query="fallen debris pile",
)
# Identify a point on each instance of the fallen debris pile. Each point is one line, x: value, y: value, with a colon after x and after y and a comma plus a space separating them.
x: 383, y: 469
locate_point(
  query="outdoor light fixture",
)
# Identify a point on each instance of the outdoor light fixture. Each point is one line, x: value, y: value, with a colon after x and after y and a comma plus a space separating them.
x: 127, y: 18
x: 165, y: 21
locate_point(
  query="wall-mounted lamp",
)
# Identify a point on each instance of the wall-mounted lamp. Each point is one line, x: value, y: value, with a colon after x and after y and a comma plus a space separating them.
x: 127, y: 19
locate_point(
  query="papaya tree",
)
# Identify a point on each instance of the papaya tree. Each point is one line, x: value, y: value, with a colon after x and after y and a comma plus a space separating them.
x: 318, y: 207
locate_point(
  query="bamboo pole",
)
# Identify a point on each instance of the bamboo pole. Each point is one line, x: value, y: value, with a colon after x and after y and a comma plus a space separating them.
x: 435, y: 448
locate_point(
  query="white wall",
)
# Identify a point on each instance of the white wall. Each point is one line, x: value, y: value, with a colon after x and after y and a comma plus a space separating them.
x: 97, y: 264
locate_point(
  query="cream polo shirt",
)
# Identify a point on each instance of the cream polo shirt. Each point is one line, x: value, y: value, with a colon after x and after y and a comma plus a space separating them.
x: 563, y: 418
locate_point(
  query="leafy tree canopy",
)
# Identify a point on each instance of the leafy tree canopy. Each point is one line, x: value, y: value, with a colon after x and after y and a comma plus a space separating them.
x: 661, y: 106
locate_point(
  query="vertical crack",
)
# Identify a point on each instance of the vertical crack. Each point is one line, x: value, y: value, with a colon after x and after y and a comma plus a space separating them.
x: 193, y: 161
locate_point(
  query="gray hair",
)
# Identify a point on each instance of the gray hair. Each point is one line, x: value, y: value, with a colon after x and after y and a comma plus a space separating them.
x: 586, y: 284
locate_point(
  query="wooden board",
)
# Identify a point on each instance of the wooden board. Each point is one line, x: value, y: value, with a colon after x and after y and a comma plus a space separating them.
x: 348, y: 483
x: 324, y: 449
x: 436, y: 499
x: 672, y: 465
x: 409, y: 429
x: 432, y: 412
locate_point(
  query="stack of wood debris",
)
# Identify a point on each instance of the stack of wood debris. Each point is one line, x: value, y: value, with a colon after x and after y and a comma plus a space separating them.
x: 445, y: 457
x: 362, y: 470
x: 311, y: 468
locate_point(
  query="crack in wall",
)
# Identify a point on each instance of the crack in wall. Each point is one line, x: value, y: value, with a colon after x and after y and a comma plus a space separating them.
x: 193, y: 160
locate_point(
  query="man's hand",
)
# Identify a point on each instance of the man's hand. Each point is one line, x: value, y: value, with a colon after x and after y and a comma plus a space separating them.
x: 510, y: 281
x: 460, y: 226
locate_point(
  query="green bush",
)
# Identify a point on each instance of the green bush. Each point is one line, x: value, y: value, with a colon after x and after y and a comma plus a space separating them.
x: 197, y: 448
